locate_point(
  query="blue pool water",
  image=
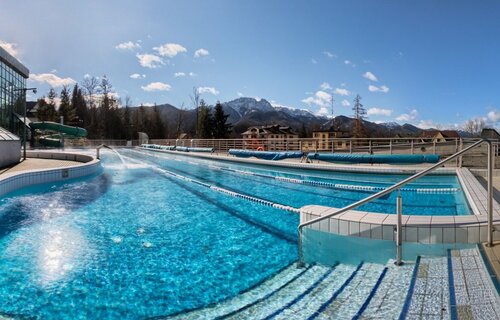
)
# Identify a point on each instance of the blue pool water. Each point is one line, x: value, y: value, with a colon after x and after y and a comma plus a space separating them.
x: 133, y: 243
x: 298, y: 195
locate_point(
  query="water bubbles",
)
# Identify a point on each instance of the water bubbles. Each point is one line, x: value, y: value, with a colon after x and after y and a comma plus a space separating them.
x: 140, y: 230
x: 147, y: 244
x: 117, y: 239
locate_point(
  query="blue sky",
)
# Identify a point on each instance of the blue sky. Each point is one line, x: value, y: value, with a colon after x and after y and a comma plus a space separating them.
x: 424, y: 62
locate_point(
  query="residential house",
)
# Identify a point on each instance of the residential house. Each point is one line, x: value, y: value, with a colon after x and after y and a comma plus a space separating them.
x: 270, y: 137
x: 439, y: 135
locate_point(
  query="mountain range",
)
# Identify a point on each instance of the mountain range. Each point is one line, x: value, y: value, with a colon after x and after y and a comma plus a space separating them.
x: 245, y: 112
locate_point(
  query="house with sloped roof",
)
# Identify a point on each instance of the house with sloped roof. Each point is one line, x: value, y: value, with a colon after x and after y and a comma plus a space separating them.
x: 269, y: 137
x: 439, y: 135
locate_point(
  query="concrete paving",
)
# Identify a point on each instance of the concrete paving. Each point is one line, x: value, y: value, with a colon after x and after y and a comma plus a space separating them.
x: 37, y: 164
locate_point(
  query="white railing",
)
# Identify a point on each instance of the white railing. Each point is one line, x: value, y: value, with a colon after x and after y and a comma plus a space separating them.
x: 346, y: 145
x: 400, y: 184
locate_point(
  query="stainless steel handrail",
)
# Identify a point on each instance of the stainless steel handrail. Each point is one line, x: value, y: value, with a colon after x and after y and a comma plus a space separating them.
x: 404, y: 182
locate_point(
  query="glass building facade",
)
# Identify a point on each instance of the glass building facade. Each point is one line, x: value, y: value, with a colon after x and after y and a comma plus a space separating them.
x: 13, y: 76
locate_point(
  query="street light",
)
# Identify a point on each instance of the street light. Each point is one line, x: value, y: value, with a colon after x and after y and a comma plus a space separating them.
x: 24, y: 115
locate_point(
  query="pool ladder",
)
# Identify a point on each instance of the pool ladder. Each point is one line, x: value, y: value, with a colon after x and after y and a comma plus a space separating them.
x: 399, y: 202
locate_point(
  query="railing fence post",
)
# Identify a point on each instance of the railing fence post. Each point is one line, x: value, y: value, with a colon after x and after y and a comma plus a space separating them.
x: 350, y: 146
x: 399, y: 229
x: 412, y: 146
x: 490, y: 194
x: 390, y: 145
x: 461, y: 146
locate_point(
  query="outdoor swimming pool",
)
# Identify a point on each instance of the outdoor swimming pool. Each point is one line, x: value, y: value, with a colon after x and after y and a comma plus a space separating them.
x: 137, y: 242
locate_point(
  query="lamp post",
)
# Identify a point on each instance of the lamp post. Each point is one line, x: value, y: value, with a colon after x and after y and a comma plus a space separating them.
x: 24, y: 115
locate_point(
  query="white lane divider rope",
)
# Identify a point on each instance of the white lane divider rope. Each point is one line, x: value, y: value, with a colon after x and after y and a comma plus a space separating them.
x: 222, y: 190
x: 339, y: 186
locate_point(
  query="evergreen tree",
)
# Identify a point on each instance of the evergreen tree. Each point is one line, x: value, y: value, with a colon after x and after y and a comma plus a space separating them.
x: 51, y: 113
x: 358, y: 131
x: 159, y: 128
x: 127, y: 125
x: 43, y: 113
x: 205, y: 121
x: 221, y: 129
x: 79, y: 106
x: 66, y: 109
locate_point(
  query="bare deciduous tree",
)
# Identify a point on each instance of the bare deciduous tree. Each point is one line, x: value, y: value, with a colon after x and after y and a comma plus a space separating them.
x: 91, y: 86
x: 474, y: 126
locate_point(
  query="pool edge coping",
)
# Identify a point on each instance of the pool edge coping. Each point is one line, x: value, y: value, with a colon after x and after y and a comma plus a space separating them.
x: 86, y: 165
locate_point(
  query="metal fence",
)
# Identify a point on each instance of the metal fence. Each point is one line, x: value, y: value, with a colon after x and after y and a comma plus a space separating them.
x: 341, y: 145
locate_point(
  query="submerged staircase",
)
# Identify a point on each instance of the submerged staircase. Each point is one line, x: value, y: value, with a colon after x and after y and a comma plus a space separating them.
x: 343, y: 291
x: 456, y: 286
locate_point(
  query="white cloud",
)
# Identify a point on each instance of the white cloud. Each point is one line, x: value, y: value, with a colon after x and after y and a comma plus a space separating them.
x: 128, y: 46
x: 51, y: 79
x: 321, y: 99
x: 383, y: 89
x: 412, y: 115
x: 156, y: 86
x: 150, y: 60
x: 11, y: 48
x: 239, y: 94
x: 370, y: 76
x: 192, y: 74
x: 137, y: 76
x: 325, y: 86
x: 323, y: 111
x: 313, y: 61
x: 347, y: 62
x: 427, y: 124
x: 342, y: 92
x: 201, y: 53
x: 179, y: 74
x: 493, y: 116
x: 170, y: 49
x: 379, y: 112
x: 345, y: 103
x: 329, y: 54
x: 210, y: 90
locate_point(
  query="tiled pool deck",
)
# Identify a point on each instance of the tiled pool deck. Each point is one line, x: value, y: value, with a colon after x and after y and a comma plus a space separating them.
x: 36, y: 164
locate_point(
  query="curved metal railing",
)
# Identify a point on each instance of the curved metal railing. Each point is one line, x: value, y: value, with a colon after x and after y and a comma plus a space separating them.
x: 404, y: 182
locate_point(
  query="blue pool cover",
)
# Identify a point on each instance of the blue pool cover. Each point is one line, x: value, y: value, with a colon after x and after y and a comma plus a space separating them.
x: 266, y: 155
x: 376, y: 158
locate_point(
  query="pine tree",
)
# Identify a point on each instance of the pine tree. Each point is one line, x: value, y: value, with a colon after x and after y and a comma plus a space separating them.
x: 66, y: 109
x: 205, y: 122
x: 221, y: 129
x: 51, y: 113
x: 359, y: 114
x: 159, y: 128
x: 79, y: 106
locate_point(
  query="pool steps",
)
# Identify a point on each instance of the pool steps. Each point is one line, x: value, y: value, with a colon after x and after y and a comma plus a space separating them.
x: 421, y: 290
x: 457, y: 286
x: 345, y: 291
